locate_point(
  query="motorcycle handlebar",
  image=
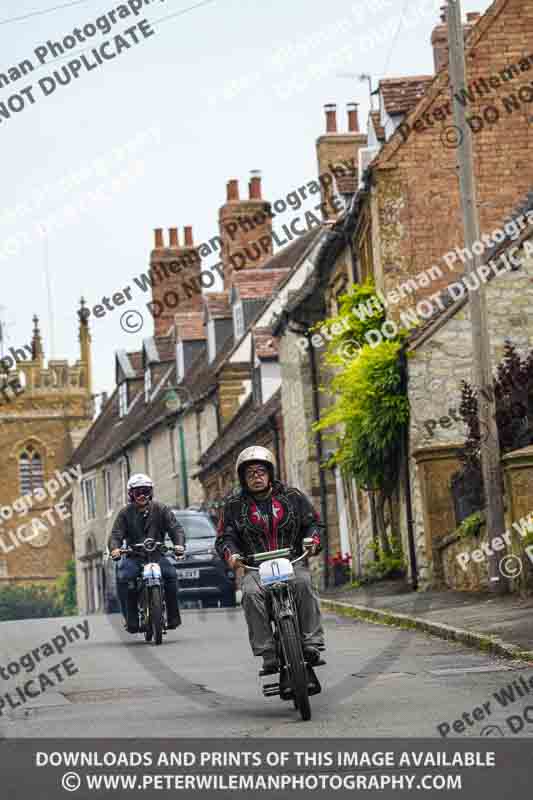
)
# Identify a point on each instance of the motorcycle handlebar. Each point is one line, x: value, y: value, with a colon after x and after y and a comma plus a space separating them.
x: 245, y: 560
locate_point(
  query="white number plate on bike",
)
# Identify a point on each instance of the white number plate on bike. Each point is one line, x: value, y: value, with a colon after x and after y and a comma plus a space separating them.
x: 189, y: 574
x: 276, y: 571
x: 152, y: 571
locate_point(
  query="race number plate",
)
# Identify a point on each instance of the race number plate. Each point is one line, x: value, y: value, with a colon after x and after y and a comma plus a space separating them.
x: 189, y: 574
x: 278, y: 570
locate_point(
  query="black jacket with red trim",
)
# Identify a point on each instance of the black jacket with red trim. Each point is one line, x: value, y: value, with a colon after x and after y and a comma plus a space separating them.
x: 243, y: 529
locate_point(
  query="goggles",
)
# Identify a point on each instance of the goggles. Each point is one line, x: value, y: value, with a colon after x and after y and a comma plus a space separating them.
x: 141, y: 491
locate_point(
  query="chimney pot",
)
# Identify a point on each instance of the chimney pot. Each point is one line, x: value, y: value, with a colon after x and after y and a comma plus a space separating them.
x: 331, y: 117
x: 188, y: 236
x: 173, y: 237
x: 232, y: 190
x: 353, y: 118
x: 255, y: 185
x: 158, y: 238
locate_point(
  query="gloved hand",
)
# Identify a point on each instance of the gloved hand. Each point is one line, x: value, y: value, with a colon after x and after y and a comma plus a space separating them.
x: 235, y: 561
x: 310, y: 546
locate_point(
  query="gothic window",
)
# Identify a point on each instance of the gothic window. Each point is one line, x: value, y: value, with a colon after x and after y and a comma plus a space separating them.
x: 30, y: 470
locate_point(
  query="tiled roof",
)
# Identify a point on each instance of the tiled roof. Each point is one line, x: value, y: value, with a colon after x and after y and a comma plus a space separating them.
x: 201, y: 377
x: 109, y: 434
x: 378, y: 127
x: 217, y: 305
x: 265, y: 345
x: 400, y: 95
x: 254, y: 284
x: 288, y: 256
x: 189, y: 326
x: 246, y: 422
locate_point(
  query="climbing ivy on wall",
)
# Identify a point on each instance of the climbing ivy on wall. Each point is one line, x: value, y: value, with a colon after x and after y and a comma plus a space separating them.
x: 370, y: 408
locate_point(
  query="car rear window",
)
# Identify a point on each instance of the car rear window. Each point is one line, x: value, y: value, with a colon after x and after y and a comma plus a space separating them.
x: 196, y: 527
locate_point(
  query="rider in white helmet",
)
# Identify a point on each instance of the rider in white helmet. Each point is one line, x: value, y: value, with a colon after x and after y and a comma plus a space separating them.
x: 267, y: 515
x: 144, y: 518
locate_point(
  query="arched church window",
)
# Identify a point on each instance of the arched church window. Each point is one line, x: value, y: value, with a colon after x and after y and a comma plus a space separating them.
x: 30, y: 470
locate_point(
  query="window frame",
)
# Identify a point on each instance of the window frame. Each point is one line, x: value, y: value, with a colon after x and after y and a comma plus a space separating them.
x: 147, y: 384
x: 34, y: 476
x: 89, y: 508
x: 211, y: 341
x: 238, y: 319
x: 123, y: 399
x: 180, y: 361
x: 108, y: 491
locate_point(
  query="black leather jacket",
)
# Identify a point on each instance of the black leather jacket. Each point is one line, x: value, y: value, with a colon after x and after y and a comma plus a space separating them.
x: 244, y: 530
x: 132, y: 525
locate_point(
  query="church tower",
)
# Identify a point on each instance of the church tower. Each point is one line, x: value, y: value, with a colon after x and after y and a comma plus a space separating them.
x: 44, y: 410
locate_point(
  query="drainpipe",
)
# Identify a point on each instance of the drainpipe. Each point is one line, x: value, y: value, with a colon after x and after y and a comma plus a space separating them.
x: 407, y: 480
x: 319, y: 455
x: 184, y: 477
x: 275, y: 431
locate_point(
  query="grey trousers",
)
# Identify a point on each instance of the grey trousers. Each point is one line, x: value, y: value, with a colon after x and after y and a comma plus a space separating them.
x: 254, y: 603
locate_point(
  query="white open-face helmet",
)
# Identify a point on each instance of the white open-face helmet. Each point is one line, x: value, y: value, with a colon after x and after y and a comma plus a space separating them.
x: 254, y: 455
x: 139, y: 482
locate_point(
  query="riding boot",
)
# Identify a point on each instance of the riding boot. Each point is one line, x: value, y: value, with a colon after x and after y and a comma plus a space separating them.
x: 171, y: 599
x: 133, y: 612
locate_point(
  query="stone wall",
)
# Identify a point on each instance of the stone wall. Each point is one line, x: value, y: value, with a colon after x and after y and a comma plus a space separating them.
x: 436, y: 368
x: 475, y: 578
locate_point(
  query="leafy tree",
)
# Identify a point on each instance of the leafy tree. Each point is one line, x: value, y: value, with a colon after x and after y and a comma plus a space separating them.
x: 370, y: 400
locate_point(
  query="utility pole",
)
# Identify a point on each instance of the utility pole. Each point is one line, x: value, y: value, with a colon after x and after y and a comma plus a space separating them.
x: 490, y: 448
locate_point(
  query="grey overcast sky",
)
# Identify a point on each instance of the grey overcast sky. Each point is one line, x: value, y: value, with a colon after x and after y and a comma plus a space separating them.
x: 219, y: 89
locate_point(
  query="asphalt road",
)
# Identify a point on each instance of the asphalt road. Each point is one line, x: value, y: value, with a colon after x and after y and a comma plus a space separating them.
x: 203, y: 682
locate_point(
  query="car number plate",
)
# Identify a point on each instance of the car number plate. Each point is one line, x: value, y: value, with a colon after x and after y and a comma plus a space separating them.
x: 189, y: 574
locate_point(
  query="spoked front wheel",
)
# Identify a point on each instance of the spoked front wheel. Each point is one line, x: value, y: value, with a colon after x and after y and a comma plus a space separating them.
x: 294, y: 659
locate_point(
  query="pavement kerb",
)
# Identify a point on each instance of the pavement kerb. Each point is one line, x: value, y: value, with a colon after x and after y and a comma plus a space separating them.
x: 480, y: 641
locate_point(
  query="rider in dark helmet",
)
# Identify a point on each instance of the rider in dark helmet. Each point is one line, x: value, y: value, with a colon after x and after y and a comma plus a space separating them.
x: 144, y: 518
x: 266, y: 515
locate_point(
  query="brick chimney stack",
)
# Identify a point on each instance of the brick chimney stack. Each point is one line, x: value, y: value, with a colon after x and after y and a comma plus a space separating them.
x: 175, y: 274
x: 331, y: 118
x: 245, y: 228
x: 338, y: 158
x: 439, y: 36
x: 353, y: 117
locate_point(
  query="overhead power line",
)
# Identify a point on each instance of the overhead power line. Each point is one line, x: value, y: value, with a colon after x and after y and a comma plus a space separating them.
x: 40, y: 13
x: 395, y: 39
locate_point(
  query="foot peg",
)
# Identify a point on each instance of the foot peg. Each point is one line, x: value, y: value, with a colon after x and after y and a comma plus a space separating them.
x: 270, y: 671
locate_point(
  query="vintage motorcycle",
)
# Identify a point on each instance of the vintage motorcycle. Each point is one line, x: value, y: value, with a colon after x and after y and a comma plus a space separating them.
x: 298, y: 680
x: 150, y: 589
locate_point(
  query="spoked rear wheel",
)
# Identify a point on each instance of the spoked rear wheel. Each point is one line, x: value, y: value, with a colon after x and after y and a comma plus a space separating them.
x: 156, y: 615
x: 294, y: 657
